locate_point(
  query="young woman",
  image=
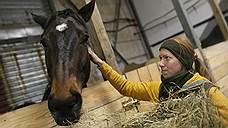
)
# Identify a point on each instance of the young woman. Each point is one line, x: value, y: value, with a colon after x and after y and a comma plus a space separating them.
x: 181, y: 69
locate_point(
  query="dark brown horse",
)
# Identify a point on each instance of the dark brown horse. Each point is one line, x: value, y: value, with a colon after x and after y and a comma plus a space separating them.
x: 65, y: 40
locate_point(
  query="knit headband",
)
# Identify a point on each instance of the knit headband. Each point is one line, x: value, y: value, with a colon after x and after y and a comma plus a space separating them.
x: 180, y: 52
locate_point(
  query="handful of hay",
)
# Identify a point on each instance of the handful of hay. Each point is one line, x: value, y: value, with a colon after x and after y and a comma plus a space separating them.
x: 192, y: 111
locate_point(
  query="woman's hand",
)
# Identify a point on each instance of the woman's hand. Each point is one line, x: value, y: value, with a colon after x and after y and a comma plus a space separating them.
x: 94, y: 58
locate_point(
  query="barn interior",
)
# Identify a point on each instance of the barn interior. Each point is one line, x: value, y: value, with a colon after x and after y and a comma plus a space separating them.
x: 126, y: 34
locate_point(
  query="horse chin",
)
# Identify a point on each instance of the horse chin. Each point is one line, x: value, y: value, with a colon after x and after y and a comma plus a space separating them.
x: 66, y: 118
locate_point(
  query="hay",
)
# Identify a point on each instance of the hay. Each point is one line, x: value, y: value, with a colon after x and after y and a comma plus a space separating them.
x: 193, y: 111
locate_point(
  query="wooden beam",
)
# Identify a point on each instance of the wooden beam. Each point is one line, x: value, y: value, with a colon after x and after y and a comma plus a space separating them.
x: 219, y: 17
x: 104, y: 40
x: 189, y: 31
x: 100, y: 38
x: 186, y: 23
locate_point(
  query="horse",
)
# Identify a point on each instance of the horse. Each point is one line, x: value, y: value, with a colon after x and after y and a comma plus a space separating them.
x: 65, y: 41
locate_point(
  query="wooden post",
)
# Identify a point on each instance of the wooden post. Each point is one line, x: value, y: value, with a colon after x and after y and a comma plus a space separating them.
x: 219, y: 18
x: 103, y: 39
x: 189, y: 31
x: 99, y: 37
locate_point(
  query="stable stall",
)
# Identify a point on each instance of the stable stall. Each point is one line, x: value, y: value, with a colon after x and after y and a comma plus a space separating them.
x: 102, y: 105
x: 101, y: 101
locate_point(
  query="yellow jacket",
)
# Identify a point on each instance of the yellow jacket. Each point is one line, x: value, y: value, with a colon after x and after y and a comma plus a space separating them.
x: 149, y: 91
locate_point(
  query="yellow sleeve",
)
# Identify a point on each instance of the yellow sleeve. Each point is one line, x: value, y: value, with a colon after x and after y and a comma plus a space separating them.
x: 221, y: 102
x: 147, y: 91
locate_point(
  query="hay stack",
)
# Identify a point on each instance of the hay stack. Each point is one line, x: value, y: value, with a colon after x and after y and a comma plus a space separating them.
x: 193, y: 111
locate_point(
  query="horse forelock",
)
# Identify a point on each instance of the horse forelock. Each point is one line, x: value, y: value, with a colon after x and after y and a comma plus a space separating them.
x: 64, y: 21
x: 64, y: 14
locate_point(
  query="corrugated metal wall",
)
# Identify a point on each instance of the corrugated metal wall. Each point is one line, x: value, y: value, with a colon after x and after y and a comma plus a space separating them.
x: 23, y: 76
x: 17, y: 11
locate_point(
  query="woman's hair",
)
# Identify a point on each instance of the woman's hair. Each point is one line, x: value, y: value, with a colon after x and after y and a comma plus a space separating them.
x: 186, y: 54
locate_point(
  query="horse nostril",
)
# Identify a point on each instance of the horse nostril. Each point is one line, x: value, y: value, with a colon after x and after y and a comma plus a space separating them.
x: 54, y: 104
x: 77, y: 98
x: 77, y: 95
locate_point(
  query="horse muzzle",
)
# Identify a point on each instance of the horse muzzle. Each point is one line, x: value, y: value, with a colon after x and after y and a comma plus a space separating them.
x: 66, y: 112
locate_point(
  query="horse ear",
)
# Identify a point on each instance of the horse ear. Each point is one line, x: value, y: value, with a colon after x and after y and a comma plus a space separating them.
x: 87, y: 11
x: 41, y: 20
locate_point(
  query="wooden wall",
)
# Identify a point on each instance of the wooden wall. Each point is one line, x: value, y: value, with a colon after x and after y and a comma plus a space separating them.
x: 218, y: 60
x: 102, y: 99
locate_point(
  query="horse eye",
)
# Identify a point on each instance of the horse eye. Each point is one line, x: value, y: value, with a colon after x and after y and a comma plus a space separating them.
x: 85, y: 38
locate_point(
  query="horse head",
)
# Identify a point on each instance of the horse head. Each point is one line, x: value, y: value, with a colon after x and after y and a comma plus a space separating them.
x: 65, y: 40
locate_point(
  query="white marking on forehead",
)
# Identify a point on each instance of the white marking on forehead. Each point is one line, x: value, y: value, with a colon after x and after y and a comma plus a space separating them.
x: 61, y: 27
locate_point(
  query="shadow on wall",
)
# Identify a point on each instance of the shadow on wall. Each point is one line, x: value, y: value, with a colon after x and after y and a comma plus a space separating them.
x: 212, y: 34
x: 214, y: 37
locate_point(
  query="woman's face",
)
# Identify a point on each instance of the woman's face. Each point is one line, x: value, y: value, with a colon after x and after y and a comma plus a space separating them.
x: 169, y: 64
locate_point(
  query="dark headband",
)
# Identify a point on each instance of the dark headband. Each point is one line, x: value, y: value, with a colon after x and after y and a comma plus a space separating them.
x: 180, y: 52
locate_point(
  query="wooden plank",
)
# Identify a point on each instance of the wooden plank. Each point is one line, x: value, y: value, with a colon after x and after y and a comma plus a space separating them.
x: 219, y: 17
x: 217, y: 57
x: 188, y: 28
x: 99, y: 95
x: 154, y: 72
x: 218, y: 60
x: 144, y: 74
x: 133, y: 76
x: 220, y: 71
x: 216, y: 50
x: 102, y: 36
x: 33, y: 116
